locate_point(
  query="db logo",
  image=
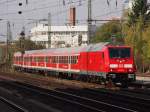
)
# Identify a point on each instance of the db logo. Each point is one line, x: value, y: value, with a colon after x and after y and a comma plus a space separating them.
x: 120, y: 65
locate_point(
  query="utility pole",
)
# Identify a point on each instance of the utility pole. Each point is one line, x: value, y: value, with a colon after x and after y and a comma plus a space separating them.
x: 9, y: 39
x: 49, y: 30
x: 89, y: 20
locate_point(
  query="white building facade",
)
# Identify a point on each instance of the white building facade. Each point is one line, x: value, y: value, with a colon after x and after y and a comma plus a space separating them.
x: 60, y: 36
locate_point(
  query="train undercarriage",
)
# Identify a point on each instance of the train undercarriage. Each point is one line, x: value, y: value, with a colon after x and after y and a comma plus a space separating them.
x: 122, y: 79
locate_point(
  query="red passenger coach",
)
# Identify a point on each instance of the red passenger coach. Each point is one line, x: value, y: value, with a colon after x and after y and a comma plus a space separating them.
x: 93, y: 62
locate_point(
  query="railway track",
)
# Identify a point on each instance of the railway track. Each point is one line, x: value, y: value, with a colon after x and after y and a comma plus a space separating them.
x: 83, y: 103
x: 13, y: 105
x: 123, y: 99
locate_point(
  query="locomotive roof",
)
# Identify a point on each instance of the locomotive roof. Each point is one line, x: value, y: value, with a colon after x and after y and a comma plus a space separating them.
x: 74, y: 50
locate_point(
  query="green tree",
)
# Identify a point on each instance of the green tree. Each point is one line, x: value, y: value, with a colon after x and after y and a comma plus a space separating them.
x: 105, y: 32
x: 139, y: 9
x: 135, y: 32
x: 27, y: 45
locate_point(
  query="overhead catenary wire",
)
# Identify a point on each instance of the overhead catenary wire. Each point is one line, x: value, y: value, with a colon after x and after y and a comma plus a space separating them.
x: 34, y: 9
x: 6, y: 2
x: 46, y: 5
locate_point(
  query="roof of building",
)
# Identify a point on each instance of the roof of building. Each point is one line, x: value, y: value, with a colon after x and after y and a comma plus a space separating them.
x: 66, y: 28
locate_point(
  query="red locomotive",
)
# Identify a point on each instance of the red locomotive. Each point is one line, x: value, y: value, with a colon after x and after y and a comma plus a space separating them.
x: 98, y: 62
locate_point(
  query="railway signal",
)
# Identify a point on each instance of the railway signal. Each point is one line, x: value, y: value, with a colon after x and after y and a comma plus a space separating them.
x: 22, y: 38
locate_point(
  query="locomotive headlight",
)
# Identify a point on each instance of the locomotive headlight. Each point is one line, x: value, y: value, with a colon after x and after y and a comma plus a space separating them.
x: 128, y: 66
x: 113, y: 65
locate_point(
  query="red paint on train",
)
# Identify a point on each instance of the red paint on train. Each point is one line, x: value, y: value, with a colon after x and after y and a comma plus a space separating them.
x: 102, y: 60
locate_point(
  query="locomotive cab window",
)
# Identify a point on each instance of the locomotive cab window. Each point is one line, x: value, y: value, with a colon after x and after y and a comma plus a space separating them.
x: 119, y: 52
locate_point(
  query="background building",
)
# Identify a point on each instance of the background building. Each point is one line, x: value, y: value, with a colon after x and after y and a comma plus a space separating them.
x: 70, y: 35
x: 61, y: 36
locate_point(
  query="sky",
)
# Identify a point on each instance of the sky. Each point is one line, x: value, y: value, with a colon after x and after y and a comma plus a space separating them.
x: 35, y: 10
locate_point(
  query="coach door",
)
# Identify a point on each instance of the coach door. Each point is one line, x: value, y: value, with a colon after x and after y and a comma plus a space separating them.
x: 84, y: 62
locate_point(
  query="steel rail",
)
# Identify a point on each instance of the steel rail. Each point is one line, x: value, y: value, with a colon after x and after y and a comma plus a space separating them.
x: 25, y: 85
x: 13, y: 105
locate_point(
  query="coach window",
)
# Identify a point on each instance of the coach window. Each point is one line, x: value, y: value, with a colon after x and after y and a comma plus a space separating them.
x: 27, y: 59
x: 71, y: 59
x: 21, y: 58
x: 59, y: 59
x: 31, y: 58
x: 34, y: 59
x: 54, y: 59
x: 46, y: 59
x: 74, y: 59
x: 42, y: 59
x: 64, y: 59
x: 77, y: 60
x: 37, y: 59
x: 50, y: 59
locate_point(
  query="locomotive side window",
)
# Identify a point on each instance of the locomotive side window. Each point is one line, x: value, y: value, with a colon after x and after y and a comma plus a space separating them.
x: 119, y: 52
